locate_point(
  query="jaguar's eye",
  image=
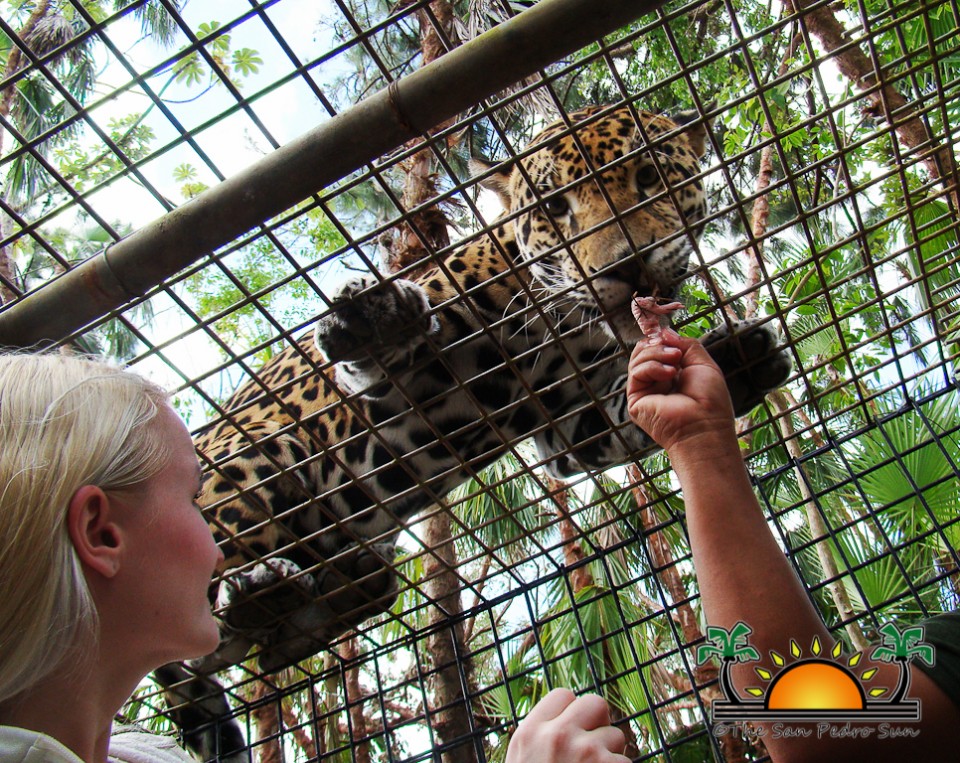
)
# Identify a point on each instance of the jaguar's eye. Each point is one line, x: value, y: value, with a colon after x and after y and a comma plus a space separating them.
x: 556, y: 206
x: 647, y: 176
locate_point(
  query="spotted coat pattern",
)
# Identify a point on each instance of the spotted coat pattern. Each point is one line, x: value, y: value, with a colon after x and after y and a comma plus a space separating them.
x: 407, y: 387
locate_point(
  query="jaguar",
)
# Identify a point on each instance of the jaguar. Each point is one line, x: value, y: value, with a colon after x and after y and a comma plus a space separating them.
x: 406, y: 387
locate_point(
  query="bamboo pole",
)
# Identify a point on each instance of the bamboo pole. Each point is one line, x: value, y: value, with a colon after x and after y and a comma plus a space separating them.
x: 408, y: 108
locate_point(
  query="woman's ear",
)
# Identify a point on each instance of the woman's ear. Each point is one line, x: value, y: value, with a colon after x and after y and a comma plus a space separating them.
x: 94, y: 530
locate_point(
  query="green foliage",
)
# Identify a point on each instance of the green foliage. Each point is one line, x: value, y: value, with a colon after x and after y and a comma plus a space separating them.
x: 154, y: 18
x: 73, y: 245
x: 906, y: 469
x: 246, y: 61
x: 41, y: 107
x: 690, y: 745
x: 505, y: 511
x: 263, y: 269
x: 186, y: 175
x: 85, y: 166
x: 889, y: 494
x: 917, y: 39
x: 929, y: 230
x: 192, y: 69
x: 141, y: 709
x: 597, y: 636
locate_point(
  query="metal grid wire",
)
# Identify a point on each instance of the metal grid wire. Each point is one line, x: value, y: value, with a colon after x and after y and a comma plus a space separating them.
x: 833, y: 213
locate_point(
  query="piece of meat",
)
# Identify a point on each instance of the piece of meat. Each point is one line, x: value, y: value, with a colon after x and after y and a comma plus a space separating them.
x: 653, y: 316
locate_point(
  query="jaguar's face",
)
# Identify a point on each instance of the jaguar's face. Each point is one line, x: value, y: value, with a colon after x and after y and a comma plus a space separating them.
x: 608, y: 210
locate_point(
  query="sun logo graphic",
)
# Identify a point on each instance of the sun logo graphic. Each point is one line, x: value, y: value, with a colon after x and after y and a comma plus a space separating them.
x: 819, y: 687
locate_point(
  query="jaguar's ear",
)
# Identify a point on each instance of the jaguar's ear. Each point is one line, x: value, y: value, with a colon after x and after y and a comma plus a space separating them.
x: 697, y: 127
x: 493, y: 177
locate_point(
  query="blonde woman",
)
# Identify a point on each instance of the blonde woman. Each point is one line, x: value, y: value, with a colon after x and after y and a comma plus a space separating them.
x: 105, y: 562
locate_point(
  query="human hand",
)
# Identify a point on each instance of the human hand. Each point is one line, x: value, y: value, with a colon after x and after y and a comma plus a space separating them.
x: 564, y: 728
x: 676, y: 393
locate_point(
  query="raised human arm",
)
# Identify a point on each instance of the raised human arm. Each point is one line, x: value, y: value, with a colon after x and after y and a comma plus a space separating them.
x: 677, y: 395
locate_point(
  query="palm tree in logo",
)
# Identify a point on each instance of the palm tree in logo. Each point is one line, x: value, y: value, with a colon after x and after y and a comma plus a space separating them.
x: 731, y: 647
x: 901, y: 648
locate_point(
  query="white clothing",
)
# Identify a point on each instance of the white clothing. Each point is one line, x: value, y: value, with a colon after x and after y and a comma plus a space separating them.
x: 23, y: 746
x: 131, y: 744
x: 128, y: 744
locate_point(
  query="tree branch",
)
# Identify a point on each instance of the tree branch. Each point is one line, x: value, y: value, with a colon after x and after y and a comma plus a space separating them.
x: 883, y: 100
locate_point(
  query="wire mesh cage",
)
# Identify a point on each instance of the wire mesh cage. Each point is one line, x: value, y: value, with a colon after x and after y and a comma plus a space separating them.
x: 830, y: 188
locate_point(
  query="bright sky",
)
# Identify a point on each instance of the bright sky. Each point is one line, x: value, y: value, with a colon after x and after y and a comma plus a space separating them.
x: 229, y: 145
x: 235, y: 142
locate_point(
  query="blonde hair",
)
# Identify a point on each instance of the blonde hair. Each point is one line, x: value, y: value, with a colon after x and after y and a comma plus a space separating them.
x: 65, y: 422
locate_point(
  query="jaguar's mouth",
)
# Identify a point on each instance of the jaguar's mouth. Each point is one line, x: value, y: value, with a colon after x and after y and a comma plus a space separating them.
x: 636, y: 277
x: 605, y: 291
x: 605, y: 300
x: 616, y: 284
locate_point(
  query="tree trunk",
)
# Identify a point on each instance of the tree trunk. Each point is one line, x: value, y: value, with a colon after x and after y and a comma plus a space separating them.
x: 451, y: 677
x: 423, y: 230
x: 300, y: 734
x: 573, y: 556
x: 760, y: 214
x: 8, y: 275
x: 266, y: 716
x: 353, y: 695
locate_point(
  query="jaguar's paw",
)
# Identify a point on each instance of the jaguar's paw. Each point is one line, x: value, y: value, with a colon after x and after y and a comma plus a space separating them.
x: 753, y: 358
x: 254, y: 600
x: 358, y: 584
x: 368, y: 315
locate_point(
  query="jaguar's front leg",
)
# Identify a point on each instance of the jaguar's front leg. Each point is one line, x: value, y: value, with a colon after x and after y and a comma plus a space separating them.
x: 250, y: 604
x: 359, y: 583
x: 753, y: 360
x: 597, y: 437
x: 373, y: 329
